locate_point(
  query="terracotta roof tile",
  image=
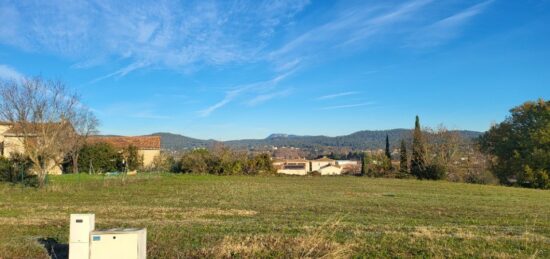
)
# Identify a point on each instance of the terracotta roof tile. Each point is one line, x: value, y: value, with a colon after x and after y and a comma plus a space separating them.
x: 325, y: 159
x: 31, y: 128
x: 141, y: 142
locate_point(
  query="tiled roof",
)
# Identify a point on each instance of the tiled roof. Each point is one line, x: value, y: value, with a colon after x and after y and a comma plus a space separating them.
x: 141, y: 142
x: 31, y: 129
x: 295, y: 161
x: 324, y: 159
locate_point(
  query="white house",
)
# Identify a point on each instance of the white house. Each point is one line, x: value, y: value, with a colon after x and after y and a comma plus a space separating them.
x: 324, y: 166
x: 346, y: 162
x: 330, y: 170
x: 292, y: 167
x: 321, y: 162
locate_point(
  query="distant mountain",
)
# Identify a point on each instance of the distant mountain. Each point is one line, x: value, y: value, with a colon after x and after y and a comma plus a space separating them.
x: 280, y: 135
x: 179, y: 142
x: 366, y: 139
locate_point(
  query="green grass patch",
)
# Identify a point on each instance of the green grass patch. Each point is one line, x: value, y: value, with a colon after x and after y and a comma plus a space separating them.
x: 239, y: 216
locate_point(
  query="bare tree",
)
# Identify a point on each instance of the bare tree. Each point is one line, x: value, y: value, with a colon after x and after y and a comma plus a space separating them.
x: 43, y: 115
x: 84, y: 124
x: 444, y: 145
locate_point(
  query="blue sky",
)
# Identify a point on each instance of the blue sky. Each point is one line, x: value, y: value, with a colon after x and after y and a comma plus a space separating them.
x: 245, y: 69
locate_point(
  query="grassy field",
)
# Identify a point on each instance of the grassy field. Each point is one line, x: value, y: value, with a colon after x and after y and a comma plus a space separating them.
x: 230, y: 216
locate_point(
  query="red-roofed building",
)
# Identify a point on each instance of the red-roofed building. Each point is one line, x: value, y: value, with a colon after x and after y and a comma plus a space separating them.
x: 148, y: 146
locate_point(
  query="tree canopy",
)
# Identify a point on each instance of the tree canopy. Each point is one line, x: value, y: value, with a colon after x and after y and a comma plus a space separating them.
x: 520, y: 146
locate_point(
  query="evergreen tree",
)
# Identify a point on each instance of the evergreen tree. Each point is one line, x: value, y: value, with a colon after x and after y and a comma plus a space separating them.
x: 403, y: 163
x: 368, y: 165
x: 388, y: 153
x: 363, y: 164
x: 418, y: 162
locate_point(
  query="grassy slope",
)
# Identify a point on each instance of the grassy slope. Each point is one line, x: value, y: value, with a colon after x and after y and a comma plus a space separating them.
x: 285, y: 216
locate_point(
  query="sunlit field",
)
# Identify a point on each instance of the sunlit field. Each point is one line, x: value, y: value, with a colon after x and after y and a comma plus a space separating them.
x: 235, y: 216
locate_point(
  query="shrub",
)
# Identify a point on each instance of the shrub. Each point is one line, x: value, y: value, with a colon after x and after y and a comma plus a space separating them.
x: 163, y: 163
x: 434, y: 172
x: 98, y: 158
x: 132, y: 158
x: 6, y: 170
x: 224, y: 161
x: 480, y: 177
x: 16, y: 168
x: 534, y: 178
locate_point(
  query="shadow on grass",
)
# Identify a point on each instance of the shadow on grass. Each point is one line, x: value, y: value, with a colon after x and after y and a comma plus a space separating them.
x: 54, y: 248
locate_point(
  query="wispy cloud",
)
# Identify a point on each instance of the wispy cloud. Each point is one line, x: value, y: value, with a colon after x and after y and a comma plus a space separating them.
x: 121, y: 72
x: 447, y: 28
x: 9, y: 73
x: 332, y: 96
x: 348, y: 106
x: 229, y: 96
x: 260, y: 87
x: 360, y: 25
x: 186, y: 36
x: 166, y: 34
x: 351, y: 25
x: 266, y: 97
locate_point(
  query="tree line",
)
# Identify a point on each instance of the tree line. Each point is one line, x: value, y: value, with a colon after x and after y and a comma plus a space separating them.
x: 217, y: 160
x: 52, y: 125
x: 515, y: 152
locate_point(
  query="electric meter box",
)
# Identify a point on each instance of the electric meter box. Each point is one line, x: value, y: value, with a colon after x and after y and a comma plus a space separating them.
x: 80, y: 228
x: 79, y: 237
x: 118, y: 244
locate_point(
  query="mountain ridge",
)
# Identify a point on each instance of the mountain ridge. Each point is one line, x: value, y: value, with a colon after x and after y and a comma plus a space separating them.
x: 364, y: 139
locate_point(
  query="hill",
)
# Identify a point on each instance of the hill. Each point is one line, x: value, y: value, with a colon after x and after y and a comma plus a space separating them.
x: 366, y: 139
x: 179, y: 142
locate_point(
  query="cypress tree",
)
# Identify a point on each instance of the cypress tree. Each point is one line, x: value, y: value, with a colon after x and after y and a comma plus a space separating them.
x: 388, y: 153
x: 403, y: 163
x: 363, y: 164
x: 418, y: 162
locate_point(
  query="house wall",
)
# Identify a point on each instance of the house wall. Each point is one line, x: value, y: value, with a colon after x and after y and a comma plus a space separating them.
x: 308, y: 167
x: 55, y: 169
x: 316, y: 165
x: 13, y: 145
x: 292, y: 171
x: 3, y: 128
x: 148, y: 156
x: 346, y: 162
x: 278, y: 164
x: 330, y: 170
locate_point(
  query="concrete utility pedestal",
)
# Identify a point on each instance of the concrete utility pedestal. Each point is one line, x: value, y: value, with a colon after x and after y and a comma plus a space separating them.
x: 119, y: 243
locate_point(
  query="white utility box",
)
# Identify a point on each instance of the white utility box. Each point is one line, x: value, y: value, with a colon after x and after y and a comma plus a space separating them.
x: 85, y: 242
x: 118, y: 244
x: 79, y: 239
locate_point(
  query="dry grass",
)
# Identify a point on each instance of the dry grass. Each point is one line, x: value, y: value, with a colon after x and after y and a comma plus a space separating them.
x: 292, y: 217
